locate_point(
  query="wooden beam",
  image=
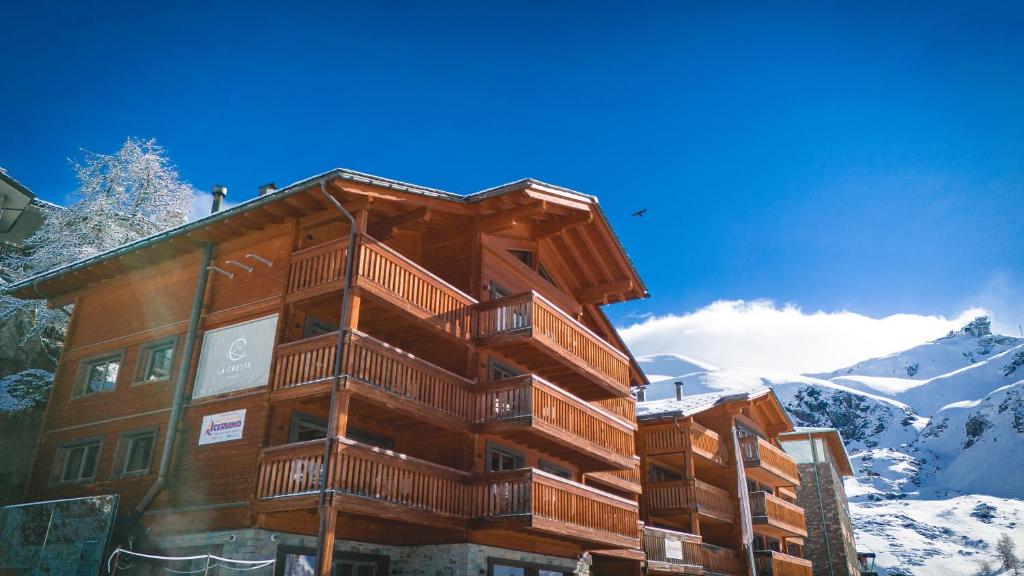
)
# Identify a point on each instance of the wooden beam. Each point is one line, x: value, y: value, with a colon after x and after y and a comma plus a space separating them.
x: 382, y: 229
x: 599, y: 293
x: 504, y: 219
x: 555, y: 226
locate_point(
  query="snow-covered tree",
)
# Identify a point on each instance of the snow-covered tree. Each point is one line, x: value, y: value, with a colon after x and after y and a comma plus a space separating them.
x: 121, y: 197
x: 1007, y: 551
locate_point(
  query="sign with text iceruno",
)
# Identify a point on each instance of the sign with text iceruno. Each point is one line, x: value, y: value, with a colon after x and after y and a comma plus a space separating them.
x: 222, y: 427
x: 236, y: 357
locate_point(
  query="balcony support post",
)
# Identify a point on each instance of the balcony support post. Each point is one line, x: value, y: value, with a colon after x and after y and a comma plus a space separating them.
x: 325, y: 554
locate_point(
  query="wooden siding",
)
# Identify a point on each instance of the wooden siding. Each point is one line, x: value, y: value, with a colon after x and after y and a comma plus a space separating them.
x: 771, y: 563
x: 760, y: 453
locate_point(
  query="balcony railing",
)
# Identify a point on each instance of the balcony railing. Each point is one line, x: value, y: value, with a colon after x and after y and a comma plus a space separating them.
x: 722, y: 561
x: 411, y: 286
x: 760, y: 453
x: 691, y: 436
x: 625, y: 480
x: 624, y: 408
x: 370, y: 480
x: 672, y: 552
x: 387, y: 274
x: 559, y: 507
x: 775, y: 513
x: 532, y: 317
x: 673, y: 496
x: 770, y: 563
x: 559, y: 415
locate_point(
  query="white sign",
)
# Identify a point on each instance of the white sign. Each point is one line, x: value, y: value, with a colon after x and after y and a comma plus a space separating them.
x: 236, y: 357
x: 673, y: 549
x: 222, y: 427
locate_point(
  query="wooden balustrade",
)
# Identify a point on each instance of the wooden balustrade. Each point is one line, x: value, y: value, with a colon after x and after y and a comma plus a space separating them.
x: 317, y: 270
x: 681, y: 552
x: 379, y: 477
x: 771, y: 563
x: 624, y: 408
x: 399, y: 373
x: 760, y: 453
x: 562, y: 506
x: 627, y: 480
x: 689, y: 435
x: 768, y: 509
x: 305, y: 361
x: 389, y: 274
x: 531, y: 313
x: 674, y: 495
x: 720, y: 560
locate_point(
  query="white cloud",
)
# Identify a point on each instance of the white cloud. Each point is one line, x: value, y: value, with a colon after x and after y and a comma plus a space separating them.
x: 761, y: 334
x: 1002, y: 295
x: 201, y: 204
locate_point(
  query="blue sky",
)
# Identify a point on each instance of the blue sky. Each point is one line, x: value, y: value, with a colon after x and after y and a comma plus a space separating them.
x: 854, y: 156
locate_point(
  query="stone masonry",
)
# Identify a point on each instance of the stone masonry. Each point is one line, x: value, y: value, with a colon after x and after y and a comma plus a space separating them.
x: 836, y: 536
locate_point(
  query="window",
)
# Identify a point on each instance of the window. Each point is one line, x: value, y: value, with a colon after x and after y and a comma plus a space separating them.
x: 500, y: 371
x: 98, y: 375
x: 659, y: 474
x: 135, y: 452
x: 370, y: 439
x: 545, y: 274
x: 555, y: 469
x: 317, y: 327
x: 305, y: 427
x: 500, y: 459
x: 155, y: 361
x: 524, y: 256
x: 295, y: 561
x: 77, y: 461
x: 794, y: 550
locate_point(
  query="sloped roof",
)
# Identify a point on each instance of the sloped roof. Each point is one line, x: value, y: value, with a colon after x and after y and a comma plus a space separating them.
x: 696, y: 403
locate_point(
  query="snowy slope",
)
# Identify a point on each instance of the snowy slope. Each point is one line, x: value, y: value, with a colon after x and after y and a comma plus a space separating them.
x: 935, y: 434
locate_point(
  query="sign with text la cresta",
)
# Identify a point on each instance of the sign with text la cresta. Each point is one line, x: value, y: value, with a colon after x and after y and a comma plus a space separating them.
x: 222, y: 427
x: 236, y: 357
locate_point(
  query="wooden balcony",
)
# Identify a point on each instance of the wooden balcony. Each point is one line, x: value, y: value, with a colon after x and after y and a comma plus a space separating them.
x: 721, y: 561
x: 624, y: 408
x: 767, y: 463
x: 770, y: 563
x: 553, y: 344
x: 537, y: 501
x: 670, y: 552
x: 389, y: 276
x: 689, y: 436
x: 690, y: 496
x: 624, y: 480
x: 776, y: 517
x: 374, y: 482
x: 534, y: 412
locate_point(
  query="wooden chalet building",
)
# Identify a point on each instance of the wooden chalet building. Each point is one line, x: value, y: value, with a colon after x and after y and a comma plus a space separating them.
x: 710, y: 464
x: 426, y: 379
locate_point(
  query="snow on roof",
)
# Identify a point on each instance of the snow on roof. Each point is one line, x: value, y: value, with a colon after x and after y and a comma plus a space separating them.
x: 693, y: 404
x: 343, y: 173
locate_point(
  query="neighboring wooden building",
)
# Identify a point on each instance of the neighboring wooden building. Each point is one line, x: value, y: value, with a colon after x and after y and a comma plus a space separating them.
x: 476, y: 416
x: 821, y: 457
x: 701, y: 455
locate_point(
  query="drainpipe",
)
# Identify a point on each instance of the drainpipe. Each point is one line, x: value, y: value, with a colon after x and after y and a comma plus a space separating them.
x: 821, y: 503
x: 339, y: 358
x: 179, y: 385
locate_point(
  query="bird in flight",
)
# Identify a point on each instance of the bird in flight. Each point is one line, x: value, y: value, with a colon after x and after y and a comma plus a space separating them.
x: 640, y: 212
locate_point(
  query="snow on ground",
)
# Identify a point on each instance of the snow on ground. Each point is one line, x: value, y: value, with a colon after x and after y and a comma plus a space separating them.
x: 932, y: 537
x: 935, y: 434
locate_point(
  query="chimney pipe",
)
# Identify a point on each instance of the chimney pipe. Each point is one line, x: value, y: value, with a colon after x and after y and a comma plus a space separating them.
x: 679, y: 390
x: 267, y: 188
x: 219, y: 192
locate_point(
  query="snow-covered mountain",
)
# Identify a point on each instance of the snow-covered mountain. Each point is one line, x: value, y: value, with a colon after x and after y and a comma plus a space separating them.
x: 935, y: 433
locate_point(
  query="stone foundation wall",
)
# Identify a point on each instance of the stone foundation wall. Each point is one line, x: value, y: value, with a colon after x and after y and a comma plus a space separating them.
x: 434, y: 560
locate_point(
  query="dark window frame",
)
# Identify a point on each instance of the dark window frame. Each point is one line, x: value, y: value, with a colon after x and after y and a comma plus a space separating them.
x: 296, y: 417
x: 552, y: 468
x: 61, y: 460
x: 370, y: 439
x: 529, y: 568
x: 143, y: 363
x: 314, y: 326
x: 283, y: 550
x: 123, y: 455
x: 519, y: 459
x: 86, y: 365
x: 496, y: 365
x: 669, y: 474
